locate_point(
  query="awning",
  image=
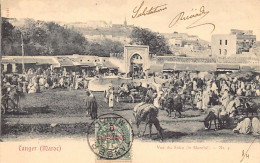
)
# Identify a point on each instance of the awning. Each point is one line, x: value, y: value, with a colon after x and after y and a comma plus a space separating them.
x: 169, y: 67
x: 65, y: 62
x: 227, y: 67
x: 84, y: 64
x: 202, y: 67
x: 155, y: 68
x: 7, y: 60
x: 31, y: 60
x: 25, y: 60
x: 45, y: 61
x: 109, y: 65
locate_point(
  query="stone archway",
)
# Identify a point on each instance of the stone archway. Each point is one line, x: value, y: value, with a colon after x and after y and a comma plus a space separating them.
x: 136, y: 57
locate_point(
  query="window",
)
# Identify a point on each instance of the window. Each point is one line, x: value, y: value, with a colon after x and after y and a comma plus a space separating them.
x: 225, y: 52
x: 225, y: 42
x: 219, y: 51
x: 220, y: 42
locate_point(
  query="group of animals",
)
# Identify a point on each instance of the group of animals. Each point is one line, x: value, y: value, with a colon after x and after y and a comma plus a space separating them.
x: 148, y: 113
x: 241, y: 106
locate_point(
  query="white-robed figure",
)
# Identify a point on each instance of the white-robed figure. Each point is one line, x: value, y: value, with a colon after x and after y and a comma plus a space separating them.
x: 255, y: 126
x: 32, y: 86
x: 198, y: 98
x: 257, y: 91
x: 225, y: 98
x: 206, y: 99
x: 111, y: 100
x: 224, y: 87
x: 214, y: 87
x: 194, y: 85
x: 42, y: 81
x: 243, y: 85
x: 231, y: 108
x: 239, y: 91
x: 107, y: 93
x: 244, y: 126
x: 156, y: 101
x: 61, y: 82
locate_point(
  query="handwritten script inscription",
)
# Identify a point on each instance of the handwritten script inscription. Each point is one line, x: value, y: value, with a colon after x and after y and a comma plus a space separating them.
x: 245, y: 154
x: 199, y: 15
x: 143, y: 11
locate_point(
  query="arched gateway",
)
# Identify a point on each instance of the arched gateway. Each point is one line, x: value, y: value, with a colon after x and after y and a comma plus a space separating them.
x: 136, y: 63
x: 136, y: 58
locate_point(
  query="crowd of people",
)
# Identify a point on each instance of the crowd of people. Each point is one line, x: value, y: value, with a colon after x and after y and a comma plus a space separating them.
x: 202, y: 92
x: 38, y: 80
x: 227, y: 92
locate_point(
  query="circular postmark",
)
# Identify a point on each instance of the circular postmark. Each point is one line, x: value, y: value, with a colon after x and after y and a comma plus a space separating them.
x: 110, y: 136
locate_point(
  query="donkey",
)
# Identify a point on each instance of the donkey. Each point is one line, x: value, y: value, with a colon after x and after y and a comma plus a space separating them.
x: 173, y: 104
x: 208, y: 120
x: 217, y: 114
x: 147, y: 113
x: 251, y: 107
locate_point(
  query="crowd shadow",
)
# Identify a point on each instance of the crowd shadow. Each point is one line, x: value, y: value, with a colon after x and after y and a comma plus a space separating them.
x: 172, y: 134
x: 38, y: 110
x: 166, y: 135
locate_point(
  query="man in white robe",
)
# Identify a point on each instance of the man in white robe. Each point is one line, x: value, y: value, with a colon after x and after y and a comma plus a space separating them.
x: 243, y: 127
x: 206, y: 98
x: 225, y: 98
x: 255, y: 126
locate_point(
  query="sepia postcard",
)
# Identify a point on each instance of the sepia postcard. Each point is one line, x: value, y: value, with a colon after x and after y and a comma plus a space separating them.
x: 130, y: 81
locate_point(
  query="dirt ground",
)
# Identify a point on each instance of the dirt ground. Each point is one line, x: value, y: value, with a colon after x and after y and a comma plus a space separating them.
x: 61, y: 113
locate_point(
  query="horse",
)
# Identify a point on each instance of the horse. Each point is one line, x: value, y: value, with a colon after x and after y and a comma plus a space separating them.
x: 147, y: 113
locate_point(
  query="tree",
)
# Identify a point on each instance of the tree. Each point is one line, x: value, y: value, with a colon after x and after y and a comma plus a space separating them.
x: 48, y: 38
x: 105, y: 47
x: 42, y: 38
x: 7, y: 37
x: 156, y: 42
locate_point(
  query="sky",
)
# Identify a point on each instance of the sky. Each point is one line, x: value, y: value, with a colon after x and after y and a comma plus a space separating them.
x: 224, y: 14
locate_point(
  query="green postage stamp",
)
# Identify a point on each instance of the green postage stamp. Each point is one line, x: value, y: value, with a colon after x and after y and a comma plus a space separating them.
x: 110, y: 137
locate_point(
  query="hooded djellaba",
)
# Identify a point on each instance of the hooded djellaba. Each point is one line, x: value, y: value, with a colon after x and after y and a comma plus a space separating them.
x: 91, y: 105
